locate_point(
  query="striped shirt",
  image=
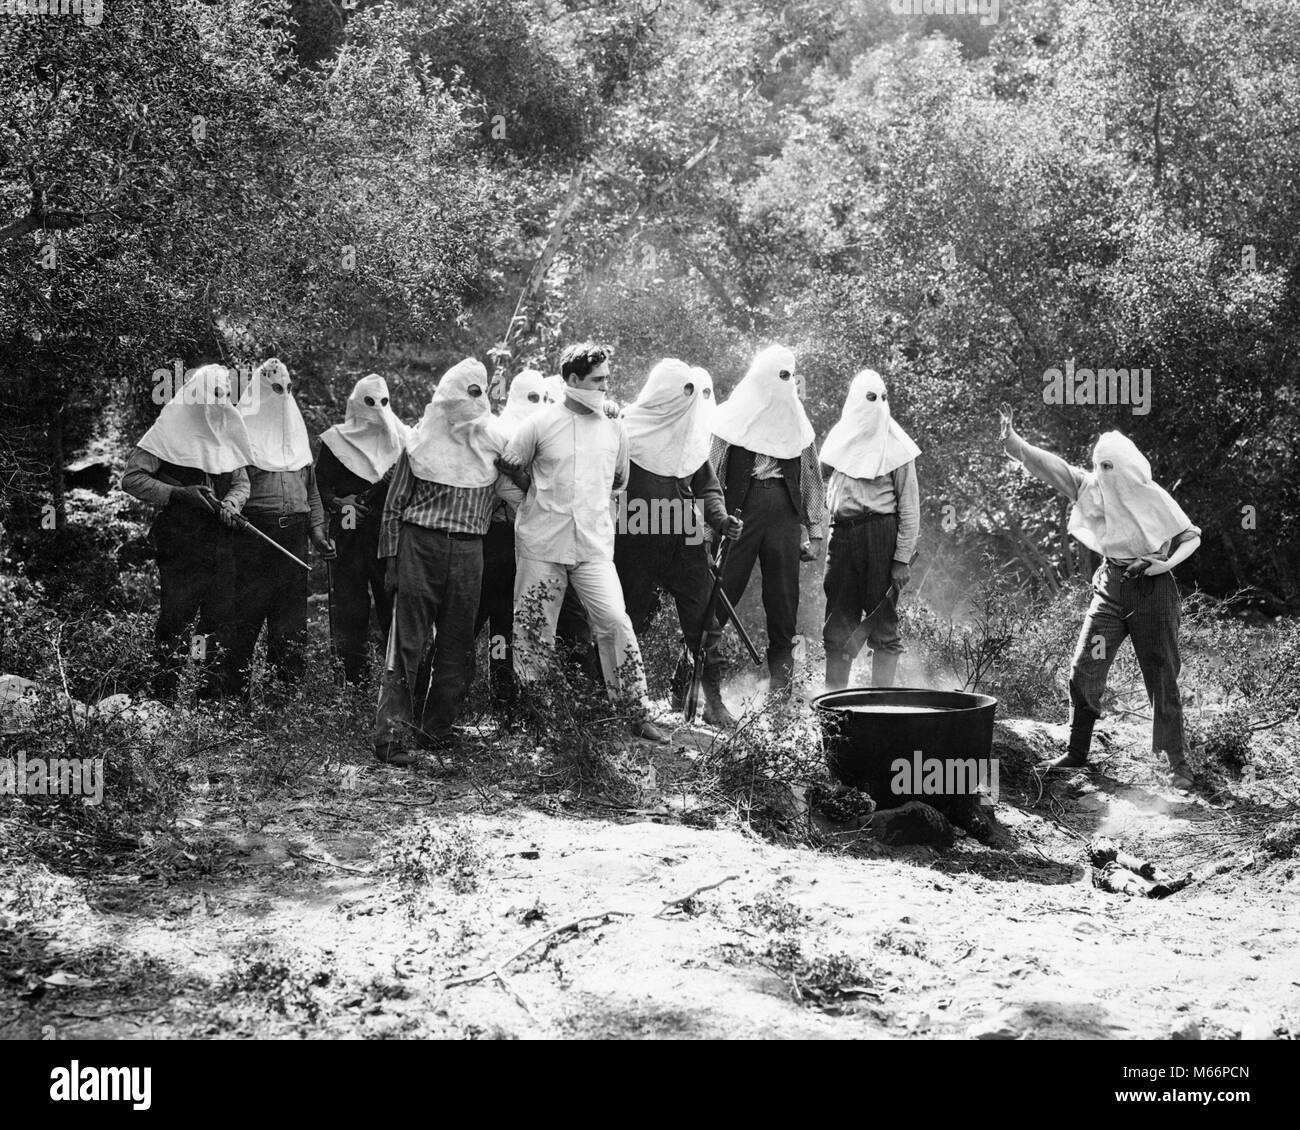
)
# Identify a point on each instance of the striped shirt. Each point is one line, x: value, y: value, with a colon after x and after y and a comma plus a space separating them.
x: 810, y: 480
x: 435, y: 506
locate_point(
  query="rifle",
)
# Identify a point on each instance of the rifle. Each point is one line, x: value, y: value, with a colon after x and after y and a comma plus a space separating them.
x: 725, y: 601
x: 691, y: 704
x: 214, y: 508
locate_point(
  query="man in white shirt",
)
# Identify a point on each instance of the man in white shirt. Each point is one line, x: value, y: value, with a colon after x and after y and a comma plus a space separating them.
x: 569, y: 458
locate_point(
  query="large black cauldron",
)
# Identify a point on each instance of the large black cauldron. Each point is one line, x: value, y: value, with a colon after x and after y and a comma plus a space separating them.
x: 866, y: 730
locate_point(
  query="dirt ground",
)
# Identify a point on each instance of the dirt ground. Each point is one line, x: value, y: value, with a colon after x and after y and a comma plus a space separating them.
x: 350, y: 909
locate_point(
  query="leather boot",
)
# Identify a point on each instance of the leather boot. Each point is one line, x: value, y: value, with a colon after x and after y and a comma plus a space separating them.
x: 680, y: 681
x: 837, y: 671
x: 780, y: 664
x: 715, y: 710
x: 884, y: 667
x: 1076, y: 753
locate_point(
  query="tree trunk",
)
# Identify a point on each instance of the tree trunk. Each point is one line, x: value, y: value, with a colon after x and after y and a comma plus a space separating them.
x: 57, y: 487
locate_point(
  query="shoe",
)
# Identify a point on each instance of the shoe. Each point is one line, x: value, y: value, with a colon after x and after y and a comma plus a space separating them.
x: 1064, y: 763
x: 648, y: 731
x: 394, y: 755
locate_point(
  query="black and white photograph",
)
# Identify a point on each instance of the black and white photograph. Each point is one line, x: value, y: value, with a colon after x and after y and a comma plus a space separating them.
x: 626, y: 520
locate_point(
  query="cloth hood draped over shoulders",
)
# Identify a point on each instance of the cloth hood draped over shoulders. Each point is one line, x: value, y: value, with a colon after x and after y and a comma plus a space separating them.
x: 1120, y: 512
x: 200, y: 427
x: 867, y: 441
x: 371, y: 436
x: 275, y: 425
x: 457, y: 441
x: 763, y: 412
x: 668, y: 425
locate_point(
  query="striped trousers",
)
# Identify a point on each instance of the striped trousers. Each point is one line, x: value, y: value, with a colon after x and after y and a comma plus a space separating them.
x: 1146, y: 610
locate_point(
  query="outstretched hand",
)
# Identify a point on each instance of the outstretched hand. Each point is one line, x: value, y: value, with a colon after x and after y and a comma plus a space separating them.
x: 1004, y: 421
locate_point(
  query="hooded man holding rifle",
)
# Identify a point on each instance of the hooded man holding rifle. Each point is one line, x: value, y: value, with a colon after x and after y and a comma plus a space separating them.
x: 192, y: 465
x: 765, y: 459
x: 660, y: 540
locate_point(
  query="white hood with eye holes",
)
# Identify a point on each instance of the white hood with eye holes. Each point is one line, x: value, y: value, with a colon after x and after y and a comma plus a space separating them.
x: 371, y: 437
x: 458, y: 440
x: 668, y: 425
x: 200, y: 427
x: 274, y: 423
x: 1120, y: 512
x: 867, y: 441
x: 763, y: 412
x: 519, y: 406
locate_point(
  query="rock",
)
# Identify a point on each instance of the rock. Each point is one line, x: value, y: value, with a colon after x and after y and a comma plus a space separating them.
x: 113, y: 705
x: 17, y: 703
x: 912, y: 823
x: 999, y: 1027
x: 1186, y: 1030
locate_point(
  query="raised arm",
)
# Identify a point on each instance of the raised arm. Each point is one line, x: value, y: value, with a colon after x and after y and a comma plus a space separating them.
x: 1052, y: 469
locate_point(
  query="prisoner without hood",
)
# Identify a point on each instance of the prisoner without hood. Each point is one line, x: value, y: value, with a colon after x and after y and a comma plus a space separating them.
x: 875, y: 509
x: 763, y: 454
x: 1141, y: 534
x: 571, y: 458
x: 284, y: 504
x: 497, y: 594
x: 192, y: 464
x: 439, y: 506
x: 669, y: 473
x: 572, y: 631
x: 354, y: 466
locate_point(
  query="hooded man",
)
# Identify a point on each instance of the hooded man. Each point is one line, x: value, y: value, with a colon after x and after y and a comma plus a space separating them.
x: 353, y: 468
x: 875, y: 510
x: 497, y: 597
x: 439, y: 507
x: 1141, y: 533
x: 660, y: 541
x: 192, y: 465
x: 284, y: 504
x: 569, y: 459
x: 763, y: 455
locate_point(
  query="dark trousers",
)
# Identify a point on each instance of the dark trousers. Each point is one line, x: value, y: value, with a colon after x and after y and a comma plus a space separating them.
x: 357, y: 579
x: 648, y: 562
x: 196, y: 584
x: 858, y: 563
x: 439, y: 577
x: 272, y: 590
x: 496, y: 607
x: 1147, y: 610
x: 771, y: 537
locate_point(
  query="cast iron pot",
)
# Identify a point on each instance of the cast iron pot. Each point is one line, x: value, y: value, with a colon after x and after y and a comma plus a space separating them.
x: 862, y: 744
